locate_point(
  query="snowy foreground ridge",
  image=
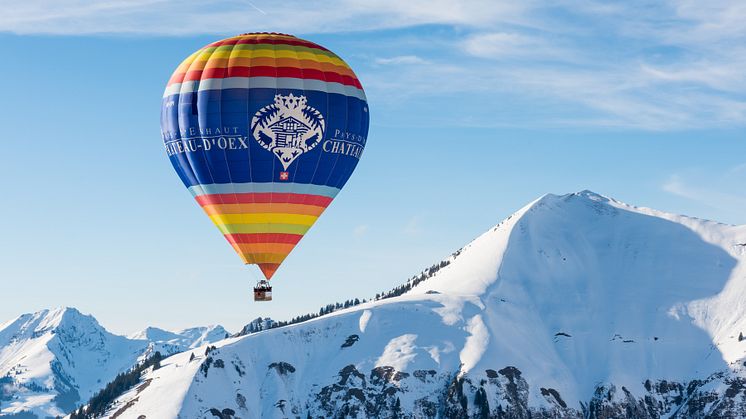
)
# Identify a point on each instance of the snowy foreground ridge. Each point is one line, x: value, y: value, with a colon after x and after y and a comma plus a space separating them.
x: 54, y: 360
x: 574, y: 306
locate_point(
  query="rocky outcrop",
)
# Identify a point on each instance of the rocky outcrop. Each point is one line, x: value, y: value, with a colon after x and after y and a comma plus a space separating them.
x: 505, y: 393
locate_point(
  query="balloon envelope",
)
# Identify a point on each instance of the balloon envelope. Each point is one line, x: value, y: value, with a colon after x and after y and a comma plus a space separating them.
x: 264, y: 130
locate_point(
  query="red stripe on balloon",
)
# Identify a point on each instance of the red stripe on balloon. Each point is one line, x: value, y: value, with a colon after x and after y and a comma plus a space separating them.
x: 264, y: 198
x: 267, y: 40
x: 265, y: 71
x: 264, y: 238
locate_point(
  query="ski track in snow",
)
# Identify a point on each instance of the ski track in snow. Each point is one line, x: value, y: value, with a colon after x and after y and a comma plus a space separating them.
x: 364, y: 319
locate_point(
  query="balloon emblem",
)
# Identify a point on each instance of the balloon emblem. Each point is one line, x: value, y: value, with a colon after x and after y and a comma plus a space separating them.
x: 264, y: 129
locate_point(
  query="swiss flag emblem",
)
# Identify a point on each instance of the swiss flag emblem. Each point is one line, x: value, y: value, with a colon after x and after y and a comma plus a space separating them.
x: 284, y: 175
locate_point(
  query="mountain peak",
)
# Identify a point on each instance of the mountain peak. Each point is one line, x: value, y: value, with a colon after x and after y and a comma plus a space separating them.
x: 155, y: 334
x: 585, y: 196
x: 33, y: 325
x: 575, y: 300
x: 53, y: 359
x: 585, y: 193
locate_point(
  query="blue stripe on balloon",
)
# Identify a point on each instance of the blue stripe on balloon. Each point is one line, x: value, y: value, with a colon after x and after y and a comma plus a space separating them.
x: 276, y: 187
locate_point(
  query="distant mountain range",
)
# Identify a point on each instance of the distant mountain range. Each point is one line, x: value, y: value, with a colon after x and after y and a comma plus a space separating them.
x: 575, y: 306
x: 52, y: 361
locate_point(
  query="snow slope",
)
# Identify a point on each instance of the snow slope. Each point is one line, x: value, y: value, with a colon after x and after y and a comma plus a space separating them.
x: 640, y: 292
x: 52, y: 360
x: 575, y: 306
x: 167, y: 342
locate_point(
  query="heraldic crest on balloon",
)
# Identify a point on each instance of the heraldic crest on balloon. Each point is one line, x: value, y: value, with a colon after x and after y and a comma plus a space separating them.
x: 288, y: 128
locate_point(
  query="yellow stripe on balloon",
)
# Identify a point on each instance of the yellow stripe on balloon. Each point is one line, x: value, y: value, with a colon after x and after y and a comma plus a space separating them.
x: 299, y: 209
x: 264, y: 257
x: 305, y: 220
x: 261, y: 53
x: 188, y: 60
x: 270, y: 62
x: 263, y: 228
x: 271, y: 47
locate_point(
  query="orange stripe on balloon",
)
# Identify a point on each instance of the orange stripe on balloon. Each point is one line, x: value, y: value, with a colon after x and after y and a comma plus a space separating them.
x: 260, y: 258
x: 263, y: 208
x: 268, y: 269
x: 253, y: 39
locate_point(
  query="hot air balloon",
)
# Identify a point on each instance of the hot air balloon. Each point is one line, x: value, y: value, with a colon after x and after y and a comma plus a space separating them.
x: 264, y: 129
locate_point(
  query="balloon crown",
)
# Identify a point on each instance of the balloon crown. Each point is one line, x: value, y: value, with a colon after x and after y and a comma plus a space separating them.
x: 265, y: 33
x: 290, y: 102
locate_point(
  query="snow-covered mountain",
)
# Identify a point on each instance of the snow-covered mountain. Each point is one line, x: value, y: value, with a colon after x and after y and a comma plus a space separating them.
x: 53, y: 360
x: 575, y: 306
x: 167, y: 342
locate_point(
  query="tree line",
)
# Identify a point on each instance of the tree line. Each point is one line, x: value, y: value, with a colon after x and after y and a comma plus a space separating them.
x: 125, y: 381
x: 259, y: 324
x: 122, y: 383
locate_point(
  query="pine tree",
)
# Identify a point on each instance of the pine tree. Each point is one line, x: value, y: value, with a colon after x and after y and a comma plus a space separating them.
x: 482, y: 404
x: 397, y: 408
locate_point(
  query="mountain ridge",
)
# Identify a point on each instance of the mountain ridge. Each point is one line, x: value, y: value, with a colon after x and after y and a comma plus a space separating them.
x: 53, y: 359
x: 577, y: 305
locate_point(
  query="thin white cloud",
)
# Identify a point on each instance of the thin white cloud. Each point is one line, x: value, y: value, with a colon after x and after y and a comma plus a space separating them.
x: 739, y: 169
x: 502, y: 45
x: 401, y: 60
x: 715, y: 190
x: 499, y: 44
x: 360, y: 230
x: 162, y: 17
x: 674, y: 185
x: 668, y: 66
x: 646, y: 75
x: 715, y: 75
x: 413, y: 226
x: 620, y: 96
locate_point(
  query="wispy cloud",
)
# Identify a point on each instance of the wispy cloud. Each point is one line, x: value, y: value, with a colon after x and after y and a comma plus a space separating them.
x: 400, y: 59
x: 506, y: 45
x: 676, y: 186
x: 360, y: 230
x: 611, y: 65
x: 164, y: 17
x: 739, y: 169
x: 722, y: 191
x: 665, y: 66
x: 414, y: 226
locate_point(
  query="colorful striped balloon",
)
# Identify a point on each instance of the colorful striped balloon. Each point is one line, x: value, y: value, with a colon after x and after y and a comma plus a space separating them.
x: 264, y: 129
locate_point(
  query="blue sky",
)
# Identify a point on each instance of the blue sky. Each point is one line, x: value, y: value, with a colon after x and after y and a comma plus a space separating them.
x: 477, y: 108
